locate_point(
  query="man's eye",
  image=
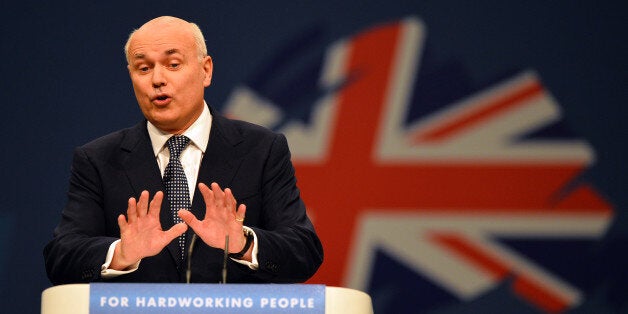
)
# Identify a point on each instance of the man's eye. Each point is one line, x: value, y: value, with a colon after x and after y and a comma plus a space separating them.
x: 143, y: 69
x: 174, y: 65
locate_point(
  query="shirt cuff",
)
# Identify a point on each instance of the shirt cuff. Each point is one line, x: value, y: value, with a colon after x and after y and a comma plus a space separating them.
x: 107, y: 273
x: 253, y: 264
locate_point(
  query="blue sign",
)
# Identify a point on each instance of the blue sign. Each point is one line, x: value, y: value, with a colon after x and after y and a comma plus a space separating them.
x: 201, y: 298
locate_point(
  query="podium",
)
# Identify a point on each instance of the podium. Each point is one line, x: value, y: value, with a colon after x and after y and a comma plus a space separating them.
x: 75, y: 298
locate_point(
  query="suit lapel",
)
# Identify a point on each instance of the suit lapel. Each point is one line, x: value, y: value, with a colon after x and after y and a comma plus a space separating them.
x: 221, y: 159
x: 139, y: 161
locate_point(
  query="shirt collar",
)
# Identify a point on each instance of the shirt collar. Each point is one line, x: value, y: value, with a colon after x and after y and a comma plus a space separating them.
x: 198, y: 132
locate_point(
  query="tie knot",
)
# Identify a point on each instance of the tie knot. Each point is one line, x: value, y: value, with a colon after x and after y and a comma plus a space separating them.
x: 176, y: 144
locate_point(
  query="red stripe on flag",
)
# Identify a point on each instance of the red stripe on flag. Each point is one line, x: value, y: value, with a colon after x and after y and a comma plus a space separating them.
x: 472, y: 253
x: 494, y: 107
x: 534, y: 292
x: 369, y: 64
x: 539, y: 296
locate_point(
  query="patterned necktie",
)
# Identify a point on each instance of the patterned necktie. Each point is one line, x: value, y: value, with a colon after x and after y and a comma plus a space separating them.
x: 176, y: 183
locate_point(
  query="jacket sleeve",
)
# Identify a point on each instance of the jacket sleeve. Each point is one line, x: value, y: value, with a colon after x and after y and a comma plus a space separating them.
x: 78, y: 248
x: 289, y: 249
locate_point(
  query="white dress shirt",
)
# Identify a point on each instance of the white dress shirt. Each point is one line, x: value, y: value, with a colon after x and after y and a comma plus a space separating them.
x: 190, y: 158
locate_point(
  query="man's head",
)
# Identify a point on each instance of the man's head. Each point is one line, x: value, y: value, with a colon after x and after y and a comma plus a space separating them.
x: 169, y: 67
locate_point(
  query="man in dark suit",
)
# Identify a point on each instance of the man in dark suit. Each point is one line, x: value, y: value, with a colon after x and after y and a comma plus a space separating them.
x: 130, y: 218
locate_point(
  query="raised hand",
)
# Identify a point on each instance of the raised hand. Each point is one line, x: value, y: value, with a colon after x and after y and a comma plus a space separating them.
x: 141, y: 235
x: 222, y: 217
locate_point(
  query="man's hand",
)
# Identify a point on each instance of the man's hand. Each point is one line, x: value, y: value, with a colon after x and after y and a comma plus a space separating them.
x: 141, y: 235
x: 221, y: 218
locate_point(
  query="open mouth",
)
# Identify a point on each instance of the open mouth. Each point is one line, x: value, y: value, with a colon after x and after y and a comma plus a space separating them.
x: 161, y: 99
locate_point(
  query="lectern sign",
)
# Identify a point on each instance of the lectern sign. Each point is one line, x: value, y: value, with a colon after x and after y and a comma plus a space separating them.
x: 203, y: 298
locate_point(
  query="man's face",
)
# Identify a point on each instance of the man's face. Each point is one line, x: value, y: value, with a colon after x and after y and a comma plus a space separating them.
x: 168, y: 78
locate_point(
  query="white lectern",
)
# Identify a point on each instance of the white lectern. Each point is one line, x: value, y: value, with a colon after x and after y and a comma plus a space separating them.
x: 75, y: 298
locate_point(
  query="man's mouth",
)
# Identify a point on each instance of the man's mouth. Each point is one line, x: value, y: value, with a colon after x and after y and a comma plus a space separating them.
x: 161, y: 99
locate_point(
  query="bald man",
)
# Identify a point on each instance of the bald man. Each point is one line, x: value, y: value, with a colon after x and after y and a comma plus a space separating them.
x: 133, y: 213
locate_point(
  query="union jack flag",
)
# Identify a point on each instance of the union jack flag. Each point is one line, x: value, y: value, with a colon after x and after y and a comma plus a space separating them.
x: 432, y: 203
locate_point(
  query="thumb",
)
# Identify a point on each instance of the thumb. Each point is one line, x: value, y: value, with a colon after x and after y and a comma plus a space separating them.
x: 188, y: 218
x: 176, y: 231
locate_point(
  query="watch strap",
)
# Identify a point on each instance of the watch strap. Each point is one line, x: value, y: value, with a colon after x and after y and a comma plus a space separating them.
x: 247, y: 245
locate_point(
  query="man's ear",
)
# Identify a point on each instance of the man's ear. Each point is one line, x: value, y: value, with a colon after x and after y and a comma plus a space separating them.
x: 208, y: 68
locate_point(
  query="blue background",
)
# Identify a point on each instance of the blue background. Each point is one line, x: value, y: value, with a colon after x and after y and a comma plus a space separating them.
x: 64, y: 82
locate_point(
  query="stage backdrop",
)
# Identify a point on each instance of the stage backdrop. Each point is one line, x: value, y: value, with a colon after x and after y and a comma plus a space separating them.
x: 454, y: 156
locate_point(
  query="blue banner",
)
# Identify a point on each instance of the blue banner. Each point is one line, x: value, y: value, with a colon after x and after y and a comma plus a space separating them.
x: 113, y: 298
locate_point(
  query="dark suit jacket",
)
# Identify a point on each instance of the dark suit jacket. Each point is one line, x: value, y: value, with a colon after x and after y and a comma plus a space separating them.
x: 254, y: 162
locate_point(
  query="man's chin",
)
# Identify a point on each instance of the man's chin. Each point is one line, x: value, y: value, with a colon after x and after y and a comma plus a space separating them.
x: 166, y: 124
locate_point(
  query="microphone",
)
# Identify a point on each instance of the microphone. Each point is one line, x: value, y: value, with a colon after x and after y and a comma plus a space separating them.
x: 188, y: 271
x: 224, y: 261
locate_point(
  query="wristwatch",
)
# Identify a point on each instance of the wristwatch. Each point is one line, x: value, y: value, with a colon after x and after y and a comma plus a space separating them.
x: 249, y: 240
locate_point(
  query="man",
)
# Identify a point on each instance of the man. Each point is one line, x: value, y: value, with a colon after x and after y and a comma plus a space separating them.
x: 139, y: 197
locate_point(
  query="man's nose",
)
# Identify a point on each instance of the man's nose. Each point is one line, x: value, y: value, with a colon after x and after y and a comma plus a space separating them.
x: 158, y: 77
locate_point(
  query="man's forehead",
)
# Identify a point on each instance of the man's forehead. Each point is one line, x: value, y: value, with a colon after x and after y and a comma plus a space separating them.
x: 162, y: 39
x: 161, y: 44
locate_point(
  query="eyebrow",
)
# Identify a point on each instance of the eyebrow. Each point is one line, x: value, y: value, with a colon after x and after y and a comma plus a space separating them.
x: 172, y: 51
x: 168, y: 52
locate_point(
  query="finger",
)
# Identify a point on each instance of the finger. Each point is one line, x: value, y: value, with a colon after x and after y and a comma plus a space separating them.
x: 219, y: 195
x: 204, y: 188
x: 231, y: 206
x: 155, y: 204
x: 142, y: 205
x: 122, y: 223
x: 131, y: 210
x: 241, y: 213
x: 175, y: 231
x: 215, y: 186
x: 230, y: 201
x: 208, y: 196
